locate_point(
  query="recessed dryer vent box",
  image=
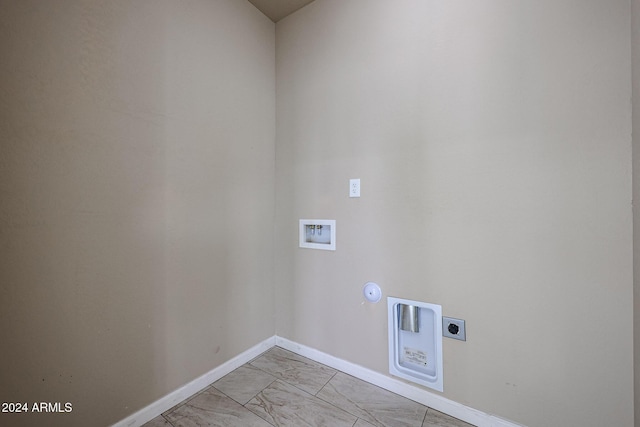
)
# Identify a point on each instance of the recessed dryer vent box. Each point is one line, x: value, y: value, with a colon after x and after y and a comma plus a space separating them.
x: 318, y: 234
x: 415, y: 342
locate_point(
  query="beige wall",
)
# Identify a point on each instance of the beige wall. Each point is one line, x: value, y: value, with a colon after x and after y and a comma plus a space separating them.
x: 137, y: 178
x: 635, y: 43
x: 136, y: 198
x: 493, y: 144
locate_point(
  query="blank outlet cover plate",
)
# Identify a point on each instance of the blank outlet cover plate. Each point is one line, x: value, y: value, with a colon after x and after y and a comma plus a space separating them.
x: 449, y: 325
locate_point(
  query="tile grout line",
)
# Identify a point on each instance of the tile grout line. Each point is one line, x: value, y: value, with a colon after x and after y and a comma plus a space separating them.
x: 337, y: 407
x: 325, y: 384
x: 299, y: 361
x: 342, y: 409
x: 425, y: 416
x: 284, y: 380
x: 169, y: 422
x: 335, y: 373
x: 305, y: 363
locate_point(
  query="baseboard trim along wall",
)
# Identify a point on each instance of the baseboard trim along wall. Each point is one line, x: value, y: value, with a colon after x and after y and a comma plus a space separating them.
x: 165, y: 403
x: 397, y: 386
x: 427, y: 398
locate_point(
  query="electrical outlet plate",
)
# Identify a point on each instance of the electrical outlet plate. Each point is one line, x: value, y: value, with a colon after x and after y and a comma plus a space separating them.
x: 454, y: 328
x: 354, y: 187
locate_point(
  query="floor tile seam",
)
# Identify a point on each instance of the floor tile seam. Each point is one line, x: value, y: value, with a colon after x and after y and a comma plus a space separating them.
x: 275, y: 378
x: 335, y: 372
x: 326, y: 383
x: 278, y: 378
x: 257, y: 414
x: 347, y: 410
x: 215, y: 411
x: 293, y: 385
x: 187, y: 399
x: 260, y: 369
x: 387, y: 391
x: 447, y: 415
x: 260, y: 355
x: 313, y: 365
x: 425, y: 417
x: 375, y: 421
x: 263, y: 389
x: 298, y: 358
x: 424, y: 420
x: 337, y: 408
x: 226, y: 395
x: 426, y: 408
x: 301, y: 365
x: 212, y: 386
x: 203, y: 409
x: 167, y: 420
x: 252, y: 397
x: 283, y: 379
x: 358, y: 416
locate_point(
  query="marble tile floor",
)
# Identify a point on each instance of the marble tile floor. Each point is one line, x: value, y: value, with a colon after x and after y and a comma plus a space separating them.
x: 281, y: 388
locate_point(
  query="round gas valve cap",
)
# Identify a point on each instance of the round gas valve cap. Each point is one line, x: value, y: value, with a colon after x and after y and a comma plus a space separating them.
x: 372, y: 292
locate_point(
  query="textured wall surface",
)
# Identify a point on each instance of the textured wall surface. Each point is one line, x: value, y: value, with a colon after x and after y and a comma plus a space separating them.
x: 136, y: 199
x: 635, y: 54
x: 493, y: 144
x: 140, y: 174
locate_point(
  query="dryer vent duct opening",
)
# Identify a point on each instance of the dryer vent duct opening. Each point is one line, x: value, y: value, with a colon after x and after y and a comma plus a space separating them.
x: 409, y: 320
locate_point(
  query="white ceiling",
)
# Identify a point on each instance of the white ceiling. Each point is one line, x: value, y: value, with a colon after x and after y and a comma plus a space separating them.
x: 278, y: 9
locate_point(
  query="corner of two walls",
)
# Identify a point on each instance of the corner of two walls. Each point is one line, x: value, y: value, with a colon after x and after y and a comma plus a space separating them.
x: 492, y: 141
x: 137, y: 188
x: 493, y: 150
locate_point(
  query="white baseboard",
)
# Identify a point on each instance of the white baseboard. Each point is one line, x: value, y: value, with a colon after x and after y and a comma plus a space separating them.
x: 437, y: 402
x: 170, y: 400
x: 409, y: 391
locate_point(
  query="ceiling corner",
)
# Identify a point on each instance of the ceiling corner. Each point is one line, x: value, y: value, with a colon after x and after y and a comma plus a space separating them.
x: 278, y: 9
